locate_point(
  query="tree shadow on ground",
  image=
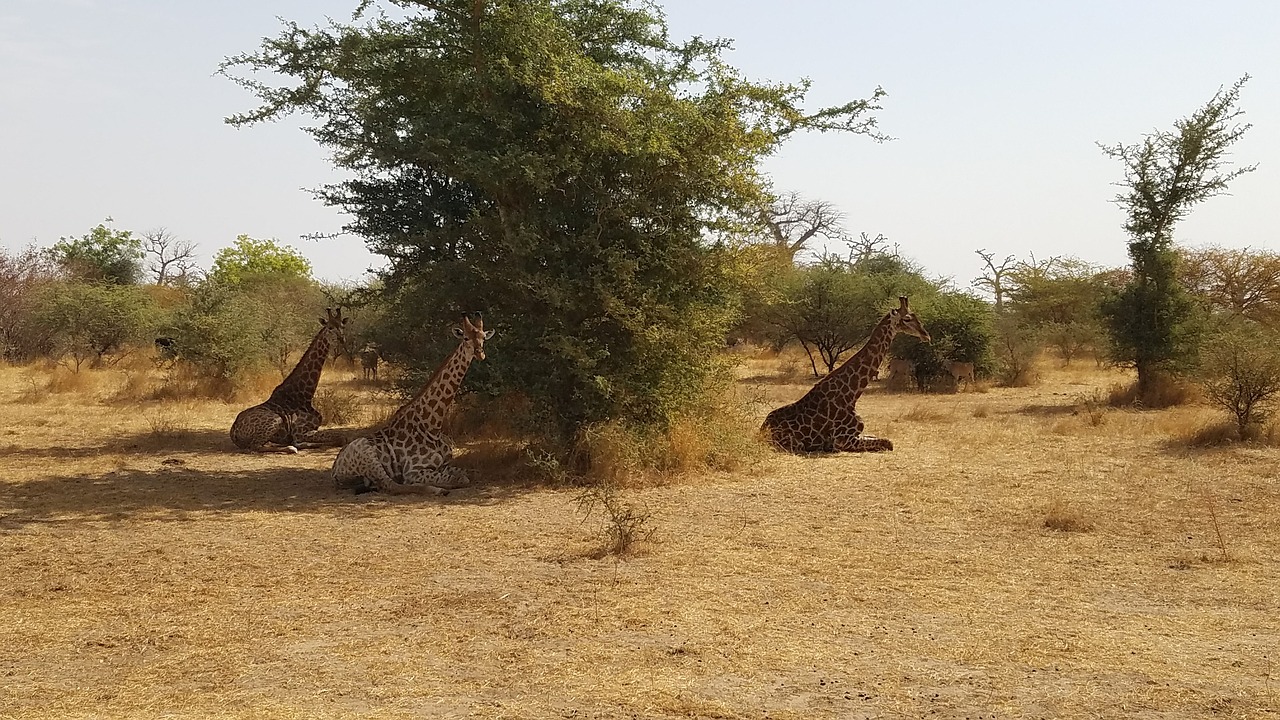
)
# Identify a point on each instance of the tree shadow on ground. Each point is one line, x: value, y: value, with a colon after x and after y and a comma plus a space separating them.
x: 1069, y: 408
x: 174, y: 487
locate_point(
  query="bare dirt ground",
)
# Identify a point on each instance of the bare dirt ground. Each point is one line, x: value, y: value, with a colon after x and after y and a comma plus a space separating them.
x: 153, y: 572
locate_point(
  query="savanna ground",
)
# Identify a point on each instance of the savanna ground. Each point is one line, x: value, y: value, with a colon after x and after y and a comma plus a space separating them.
x: 1020, y: 554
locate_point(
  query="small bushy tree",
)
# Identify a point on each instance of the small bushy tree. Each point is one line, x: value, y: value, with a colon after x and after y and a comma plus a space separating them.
x: 1058, y: 301
x: 960, y: 326
x: 831, y: 306
x: 93, y: 321
x: 1240, y: 373
x: 23, y: 274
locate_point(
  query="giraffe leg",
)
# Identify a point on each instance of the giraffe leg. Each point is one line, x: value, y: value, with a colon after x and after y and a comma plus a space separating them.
x: 358, y: 468
x: 850, y: 438
x: 440, y: 479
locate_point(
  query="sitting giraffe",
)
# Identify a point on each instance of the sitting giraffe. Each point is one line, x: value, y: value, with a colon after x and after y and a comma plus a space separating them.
x: 287, y: 417
x: 824, y: 419
x: 409, y: 454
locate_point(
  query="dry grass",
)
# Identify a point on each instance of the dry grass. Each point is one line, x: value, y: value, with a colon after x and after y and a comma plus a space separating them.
x: 180, y: 578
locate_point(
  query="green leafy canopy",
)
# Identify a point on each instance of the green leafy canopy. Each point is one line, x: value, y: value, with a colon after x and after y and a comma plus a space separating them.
x: 561, y: 165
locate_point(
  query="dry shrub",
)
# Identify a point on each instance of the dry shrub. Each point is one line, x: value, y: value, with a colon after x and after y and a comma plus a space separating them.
x: 623, y: 524
x: 1064, y: 518
x: 63, y: 381
x: 138, y: 386
x: 1023, y: 375
x: 1093, y: 406
x: 925, y: 413
x: 35, y: 389
x: 1164, y: 391
x: 169, y: 421
x: 721, y: 435
x: 1219, y: 434
x: 982, y: 411
x: 338, y: 407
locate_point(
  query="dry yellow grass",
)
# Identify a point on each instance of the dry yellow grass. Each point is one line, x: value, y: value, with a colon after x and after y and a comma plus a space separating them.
x: 149, y: 576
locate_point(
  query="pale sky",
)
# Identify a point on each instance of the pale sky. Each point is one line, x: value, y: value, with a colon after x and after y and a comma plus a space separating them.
x: 112, y: 108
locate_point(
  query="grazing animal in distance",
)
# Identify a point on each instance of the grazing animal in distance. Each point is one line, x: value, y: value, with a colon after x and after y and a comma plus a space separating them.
x: 900, y: 371
x: 287, y: 418
x: 410, y: 454
x: 824, y: 420
x: 370, y: 357
x: 961, y: 371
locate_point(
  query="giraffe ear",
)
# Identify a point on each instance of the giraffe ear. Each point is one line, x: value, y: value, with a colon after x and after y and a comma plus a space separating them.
x: 458, y: 333
x: 488, y: 334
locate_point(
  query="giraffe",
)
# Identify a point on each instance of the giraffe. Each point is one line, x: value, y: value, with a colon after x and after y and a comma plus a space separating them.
x: 824, y: 419
x: 409, y: 454
x: 287, y: 417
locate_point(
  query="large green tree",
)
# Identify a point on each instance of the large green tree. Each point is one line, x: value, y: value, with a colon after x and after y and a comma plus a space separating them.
x: 1151, y: 320
x: 250, y: 259
x: 561, y: 165
x: 103, y: 254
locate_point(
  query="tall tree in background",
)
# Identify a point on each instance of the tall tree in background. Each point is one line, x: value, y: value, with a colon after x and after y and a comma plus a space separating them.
x: 793, y: 221
x: 561, y: 165
x: 1151, y: 321
x: 171, y: 260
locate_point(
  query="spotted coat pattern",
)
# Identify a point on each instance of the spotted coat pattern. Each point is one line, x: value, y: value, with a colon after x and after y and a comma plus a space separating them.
x: 411, y: 454
x: 288, y: 417
x: 824, y: 420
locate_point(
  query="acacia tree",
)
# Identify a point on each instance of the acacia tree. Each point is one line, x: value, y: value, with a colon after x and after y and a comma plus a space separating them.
x: 103, y: 254
x: 561, y: 165
x: 1234, y: 282
x: 1151, y: 321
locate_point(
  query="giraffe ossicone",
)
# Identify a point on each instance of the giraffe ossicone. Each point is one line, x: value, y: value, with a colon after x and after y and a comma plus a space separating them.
x: 824, y: 420
x: 411, y: 454
x: 287, y: 418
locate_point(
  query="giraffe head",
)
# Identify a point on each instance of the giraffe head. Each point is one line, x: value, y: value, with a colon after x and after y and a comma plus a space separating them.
x: 333, y: 326
x: 474, y: 334
x: 905, y: 321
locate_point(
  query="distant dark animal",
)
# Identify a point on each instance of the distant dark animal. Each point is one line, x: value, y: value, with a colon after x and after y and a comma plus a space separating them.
x: 167, y: 348
x: 370, y: 356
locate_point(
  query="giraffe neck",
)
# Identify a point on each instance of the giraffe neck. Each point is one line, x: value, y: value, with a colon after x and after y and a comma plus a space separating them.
x: 855, y: 374
x: 300, y: 386
x: 431, y: 405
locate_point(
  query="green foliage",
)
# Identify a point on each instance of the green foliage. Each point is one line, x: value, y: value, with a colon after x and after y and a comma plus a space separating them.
x: 831, y: 307
x: 1152, y: 321
x: 1059, y: 301
x: 228, y: 331
x: 562, y: 167
x: 251, y: 258
x: 22, y: 276
x: 101, y: 255
x: 92, y: 321
x: 961, y: 328
x: 1241, y: 373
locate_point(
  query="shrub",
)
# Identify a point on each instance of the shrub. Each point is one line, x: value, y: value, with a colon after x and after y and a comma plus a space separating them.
x: 961, y: 328
x: 91, y: 322
x: 1240, y: 373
